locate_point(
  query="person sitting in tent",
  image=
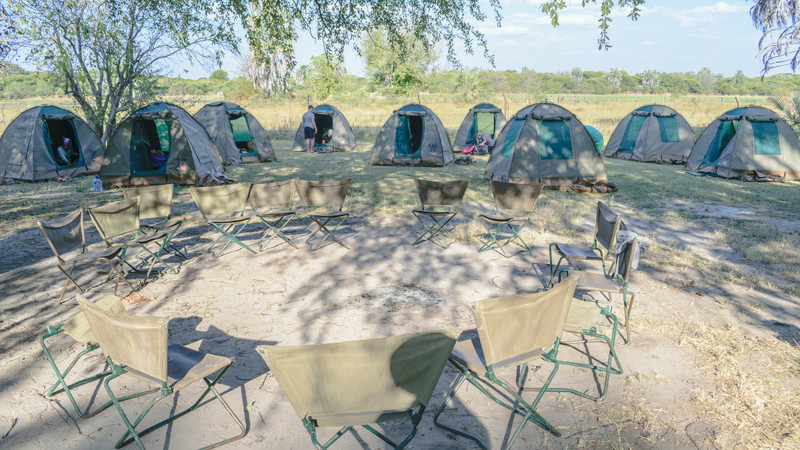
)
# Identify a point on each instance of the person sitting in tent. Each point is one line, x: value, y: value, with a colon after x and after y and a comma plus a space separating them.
x: 157, y: 158
x: 64, y: 152
x: 326, y: 138
x: 484, y: 144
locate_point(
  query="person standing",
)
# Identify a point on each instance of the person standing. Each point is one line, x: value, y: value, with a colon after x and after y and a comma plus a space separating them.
x: 309, y: 128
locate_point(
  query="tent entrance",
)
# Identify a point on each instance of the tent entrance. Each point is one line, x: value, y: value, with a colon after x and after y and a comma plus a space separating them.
x: 242, y: 137
x: 150, y: 146
x: 725, y: 132
x: 408, y: 136
x: 483, y: 123
x: 324, y: 134
x: 55, y: 130
x: 631, y: 133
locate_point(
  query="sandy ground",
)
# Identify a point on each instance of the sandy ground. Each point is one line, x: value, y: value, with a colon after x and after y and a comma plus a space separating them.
x: 381, y: 286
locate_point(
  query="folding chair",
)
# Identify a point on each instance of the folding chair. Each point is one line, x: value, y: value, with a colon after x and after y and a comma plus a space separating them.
x: 509, y: 197
x: 223, y: 207
x: 118, y: 225
x: 512, y: 331
x: 354, y: 383
x: 272, y: 203
x: 68, y: 234
x: 137, y: 346
x: 607, y: 224
x: 78, y: 329
x: 432, y: 196
x: 327, y: 197
x: 617, y: 282
x: 155, y: 202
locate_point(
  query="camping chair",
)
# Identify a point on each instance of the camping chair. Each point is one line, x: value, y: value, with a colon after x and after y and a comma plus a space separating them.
x: 512, y: 331
x: 137, y: 346
x: 68, y: 234
x: 155, y: 202
x: 432, y: 196
x: 272, y: 203
x: 616, y: 282
x: 510, y: 197
x: 327, y: 197
x: 223, y: 207
x: 78, y: 329
x: 118, y: 225
x: 607, y: 224
x: 355, y: 383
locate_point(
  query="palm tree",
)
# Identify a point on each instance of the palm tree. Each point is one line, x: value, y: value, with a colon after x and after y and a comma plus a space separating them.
x: 614, y: 77
x: 650, y: 79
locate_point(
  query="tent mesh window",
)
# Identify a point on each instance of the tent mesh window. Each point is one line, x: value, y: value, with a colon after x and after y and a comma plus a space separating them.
x: 147, y: 135
x: 324, y: 125
x: 55, y: 130
x: 555, y: 141
x: 408, y: 136
x: 725, y: 132
x: 766, y: 138
x: 631, y: 133
x: 511, y: 137
x: 668, y: 125
x: 242, y: 136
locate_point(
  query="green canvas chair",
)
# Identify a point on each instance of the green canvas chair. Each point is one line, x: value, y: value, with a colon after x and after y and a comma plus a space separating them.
x: 155, y: 206
x: 354, y: 383
x: 118, y: 225
x: 223, y: 207
x: 67, y: 239
x: 512, y: 331
x: 78, y: 329
x: 617, y: 282
x: 513, y: 198
x: 273, y: 203
x: 323, y: 202
x: 137, y: 346
x: 607, y: 224
x: 437, y: 199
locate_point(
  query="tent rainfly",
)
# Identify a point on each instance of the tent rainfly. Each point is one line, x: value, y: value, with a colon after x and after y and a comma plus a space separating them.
x: 484, y: 118
x: 597, y: 137
x: 652, y: 133
x: 28, y: 147
x: 239, y: 137
x: 412, y: 135
x: 331, y: 121
x: 544, y: 143
x: 161, y: 143
x: 749, y: 141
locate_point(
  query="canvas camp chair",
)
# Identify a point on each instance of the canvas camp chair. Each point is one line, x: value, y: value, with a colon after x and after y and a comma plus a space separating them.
x: 137, y: 346
x: 607, y: 224
x: 223, y: 207
x: 512, y: 331
x: 155, y: 206
x: 323, y: 202
x: 67, y: 239
x: 272, y: 203
x: 617, y: 282
x: 514, y: 198
x: 78, y: 329
x: 354, y: 383
x: 118, y: 225
x: 436, y: 198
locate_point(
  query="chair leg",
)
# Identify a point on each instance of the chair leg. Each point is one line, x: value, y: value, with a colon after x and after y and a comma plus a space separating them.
x: 327, y: 232
x: 275, y: 229
x: 554, y: 269
x: 231, y: 238
x: 436, y: 228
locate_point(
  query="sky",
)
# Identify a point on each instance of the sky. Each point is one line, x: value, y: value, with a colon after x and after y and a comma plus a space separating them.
x: 669, y: 36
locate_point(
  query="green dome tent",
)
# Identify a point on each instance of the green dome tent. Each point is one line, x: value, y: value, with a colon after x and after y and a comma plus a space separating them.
x: 328, y: 118
x: 597, y: 137
x: 544, y: 143
x: 28, y: 145
x: 749, y: 140
x: 236, y: 133
x: 651, y: 133
x: 484, y: 118
x: 187, y: 153
x: 412, y: 135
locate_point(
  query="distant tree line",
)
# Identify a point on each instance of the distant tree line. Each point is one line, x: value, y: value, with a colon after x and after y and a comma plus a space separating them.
x: 323, y: 78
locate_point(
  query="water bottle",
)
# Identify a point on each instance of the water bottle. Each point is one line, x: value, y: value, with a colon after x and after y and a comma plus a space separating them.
x: 97, y: 184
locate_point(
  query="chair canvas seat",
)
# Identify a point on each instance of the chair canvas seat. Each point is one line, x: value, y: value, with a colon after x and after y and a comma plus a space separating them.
x: 432, y: 213
x: 333, y: 215
x: 100, y: 253
x: 582, y: 315
x: 230, y: 219
x: 470, y: 354
x: 598, y: 282
x: 575, y: 252
x: 497, y: 218
x: 184, y: 367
